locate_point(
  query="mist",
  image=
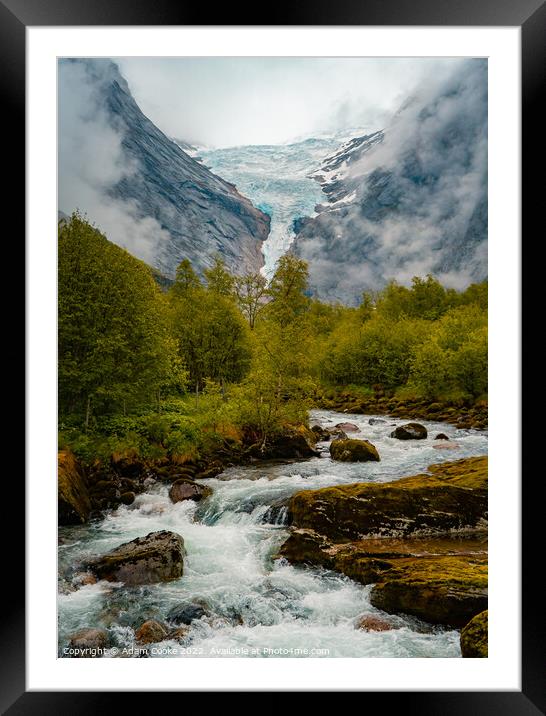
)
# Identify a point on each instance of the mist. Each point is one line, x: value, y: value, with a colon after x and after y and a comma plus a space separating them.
x: 421, y: 196
x: 92, y: 160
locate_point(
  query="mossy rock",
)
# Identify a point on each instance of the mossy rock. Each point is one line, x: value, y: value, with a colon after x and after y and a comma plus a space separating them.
x: 453, y: 497
x: 443, y: 590
x: 353, y: 451
x: 74, y: 504
x: 474, y: 637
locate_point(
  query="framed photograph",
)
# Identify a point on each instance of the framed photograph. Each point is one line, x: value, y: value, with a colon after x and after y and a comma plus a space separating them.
x: 273, y: 355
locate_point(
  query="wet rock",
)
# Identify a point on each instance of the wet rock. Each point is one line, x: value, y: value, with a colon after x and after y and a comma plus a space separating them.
x: 157, y: 557
x: 474, y: 637
x: 322, y: 433
x: 348, y: 427
x: 186, y: 613
x: 73, y: 500
x: 151, y: 632
x: 127, y: 498
x: 82, y: 579
x: 376, y: 421
x: 410, y: 431
x: 454, y: 496
x: 338, y: 433
x: 447, y: 590
x: 183, y: 490
x: 441, y: 436
x: 179, y: 634
x: 446, y: 445
x: 89, y: 643
x: 353, y: 451
x: 372, y: 623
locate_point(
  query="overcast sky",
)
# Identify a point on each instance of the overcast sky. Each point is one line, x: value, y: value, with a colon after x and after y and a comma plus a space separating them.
x: 230, y: 101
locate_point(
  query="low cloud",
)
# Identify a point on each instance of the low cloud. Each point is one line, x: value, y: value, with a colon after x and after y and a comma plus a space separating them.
x: 421, y: 203
x: 92, y: 160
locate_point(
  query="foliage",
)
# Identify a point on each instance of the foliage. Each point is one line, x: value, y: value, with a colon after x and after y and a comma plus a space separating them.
x: 225, y: 358
x: 114, y: 346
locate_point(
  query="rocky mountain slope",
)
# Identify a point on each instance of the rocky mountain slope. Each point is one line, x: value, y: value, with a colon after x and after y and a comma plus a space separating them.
x: 140, y: 187
x: 408, y: 200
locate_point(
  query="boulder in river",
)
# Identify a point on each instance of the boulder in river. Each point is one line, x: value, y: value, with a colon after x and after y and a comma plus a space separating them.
x: 292, y: 442
x: 74, y: 504
x: 474, y: 637
x: 376, y: 421
x: 186, y: 490
x: 454, y: 496
x: 446, y: 445
x: 410, y: 431
x: 446, y: 590
x: 157, y: 557
x: 373, y: 623
x: 89, y: 643
x: 353, y: 451
x: 348, y: 427
x: 441, y: 436
x: 127, y: 498
x: 186, y: 612
x: 151, y: 632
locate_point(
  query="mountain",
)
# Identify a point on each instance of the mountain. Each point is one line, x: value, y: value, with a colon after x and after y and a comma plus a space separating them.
x: 142, y: 188
x: 409, y: 200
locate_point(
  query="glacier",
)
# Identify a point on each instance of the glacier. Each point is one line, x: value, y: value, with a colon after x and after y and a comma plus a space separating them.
x: 279, y: 181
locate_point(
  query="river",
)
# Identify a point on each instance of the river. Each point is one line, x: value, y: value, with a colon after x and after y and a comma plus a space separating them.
x: 256, y: 605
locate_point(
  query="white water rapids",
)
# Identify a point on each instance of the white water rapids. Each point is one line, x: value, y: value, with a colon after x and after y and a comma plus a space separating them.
x: 255, y: 602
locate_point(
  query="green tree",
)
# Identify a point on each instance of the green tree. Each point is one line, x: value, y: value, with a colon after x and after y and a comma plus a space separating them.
x: 211, y: 334
x: 251, y: 292
x: 113, y: 330
x: 218, y: 278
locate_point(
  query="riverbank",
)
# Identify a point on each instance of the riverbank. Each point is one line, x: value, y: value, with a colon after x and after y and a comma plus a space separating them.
x: 463, y: 413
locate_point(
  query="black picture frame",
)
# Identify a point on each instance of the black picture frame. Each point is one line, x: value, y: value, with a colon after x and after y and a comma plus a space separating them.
x: 530, y: 15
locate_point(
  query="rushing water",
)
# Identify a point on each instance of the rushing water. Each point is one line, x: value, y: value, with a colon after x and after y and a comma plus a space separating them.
x: 256, y: 602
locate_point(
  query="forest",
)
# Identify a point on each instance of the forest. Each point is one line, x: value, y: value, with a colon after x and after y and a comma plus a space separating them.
x: 174, y: 367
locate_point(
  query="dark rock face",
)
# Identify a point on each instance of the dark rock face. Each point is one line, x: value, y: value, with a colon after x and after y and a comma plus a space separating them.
x: 474, y: 637
x: 410, y: 431
x: 184, y: 490
x: 89, y: 643
x: 199, y: 213
x: 353, y: 451
x: 453, y: 497
x: 186, y: 613
x: 441, y: 436
x: 74, y: 504
x: 158, y: 557
x: 425, y: 174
